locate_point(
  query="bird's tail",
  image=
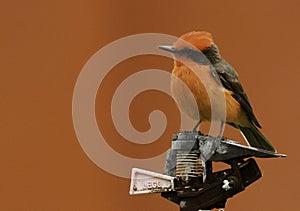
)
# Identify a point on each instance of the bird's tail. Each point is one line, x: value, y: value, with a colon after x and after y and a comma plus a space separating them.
x: 256, y: 139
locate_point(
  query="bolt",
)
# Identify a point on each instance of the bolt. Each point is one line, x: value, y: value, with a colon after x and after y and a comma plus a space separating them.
x: 226, y: 185
x: 182, y: 204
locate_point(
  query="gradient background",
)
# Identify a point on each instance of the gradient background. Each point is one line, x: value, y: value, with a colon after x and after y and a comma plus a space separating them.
x: 44, y: 45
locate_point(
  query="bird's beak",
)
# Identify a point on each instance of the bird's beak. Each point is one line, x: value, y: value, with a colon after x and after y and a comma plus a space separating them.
x: 167, y: 48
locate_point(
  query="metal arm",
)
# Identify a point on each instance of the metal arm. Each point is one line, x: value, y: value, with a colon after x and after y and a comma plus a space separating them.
x: 184, y: 182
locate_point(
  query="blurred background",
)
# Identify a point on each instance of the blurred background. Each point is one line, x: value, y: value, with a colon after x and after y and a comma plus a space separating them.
x: 45, y: 44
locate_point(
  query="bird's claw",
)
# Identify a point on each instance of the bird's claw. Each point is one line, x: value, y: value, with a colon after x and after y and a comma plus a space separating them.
x: 209, y: 146
x: 195, y: 128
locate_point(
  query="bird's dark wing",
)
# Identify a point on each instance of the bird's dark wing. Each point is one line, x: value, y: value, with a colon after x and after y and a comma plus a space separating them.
x: 229, y: 79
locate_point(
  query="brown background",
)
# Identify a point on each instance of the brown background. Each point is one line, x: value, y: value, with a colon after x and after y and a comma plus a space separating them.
x: 44, y: 45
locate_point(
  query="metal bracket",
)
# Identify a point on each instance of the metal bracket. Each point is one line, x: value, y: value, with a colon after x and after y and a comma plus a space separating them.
x: 192, y: 190
x: 143, y: 182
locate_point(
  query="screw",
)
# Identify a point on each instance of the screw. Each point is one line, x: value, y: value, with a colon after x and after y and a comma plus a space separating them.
x: 182, y: 204
x: 226, y: 185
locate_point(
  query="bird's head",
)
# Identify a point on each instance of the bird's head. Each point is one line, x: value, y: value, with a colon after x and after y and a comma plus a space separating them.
x: 193, y: 46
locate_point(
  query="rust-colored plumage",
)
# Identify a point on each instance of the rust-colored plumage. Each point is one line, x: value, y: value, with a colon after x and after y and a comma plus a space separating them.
x: 200, y: 40
x: 211, y: 82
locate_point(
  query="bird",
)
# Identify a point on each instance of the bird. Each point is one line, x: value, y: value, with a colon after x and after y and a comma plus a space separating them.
x: 212, y: 81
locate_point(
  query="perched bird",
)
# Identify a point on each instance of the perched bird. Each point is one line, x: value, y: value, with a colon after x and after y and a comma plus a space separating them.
x: 198, y: 63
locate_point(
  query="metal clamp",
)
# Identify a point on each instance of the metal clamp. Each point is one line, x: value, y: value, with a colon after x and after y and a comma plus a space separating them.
x: 190, y: 181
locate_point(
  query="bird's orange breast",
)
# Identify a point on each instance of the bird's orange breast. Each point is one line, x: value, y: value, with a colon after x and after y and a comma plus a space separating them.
x: 205, y: 98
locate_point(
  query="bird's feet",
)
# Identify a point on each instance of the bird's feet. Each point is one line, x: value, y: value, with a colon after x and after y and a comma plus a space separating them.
x: 209, y: 146
x: 195, y: 128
